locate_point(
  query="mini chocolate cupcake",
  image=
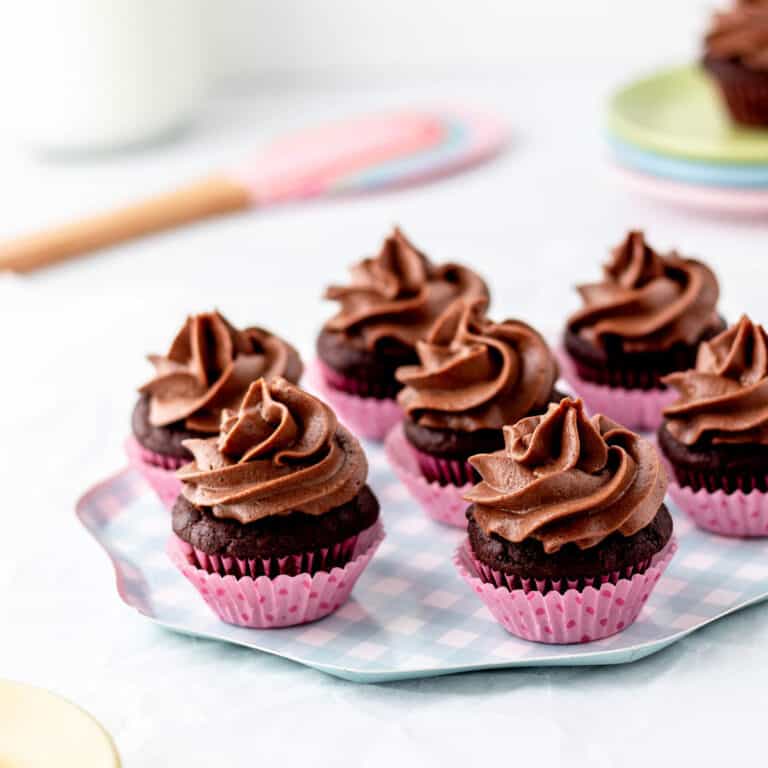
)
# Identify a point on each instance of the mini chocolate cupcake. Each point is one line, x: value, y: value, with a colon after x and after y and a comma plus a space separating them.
x: 571, y: 515
x: 208, y: 368
x: 275, y: 521
x: 715, y: 436
x: 389, y: 305
x: 736, y: 57
x: 643, y: 321
x: 473, y: 377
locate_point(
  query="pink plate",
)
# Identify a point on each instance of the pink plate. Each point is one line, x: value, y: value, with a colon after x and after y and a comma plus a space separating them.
x: 717, y: 200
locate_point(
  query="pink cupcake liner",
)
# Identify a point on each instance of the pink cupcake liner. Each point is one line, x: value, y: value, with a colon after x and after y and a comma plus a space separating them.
x: 736, y: 514
x: 729, y: 514
x: 323, y: 559
x: 159, y: 471
x: 562, y: 585
x: 369, y: 417
x: 634, y: 408
x: 712, y: 481
x: 576, y: 615
x: 266, y: 602
x: 444, y: 503
x: 444, y: 471
x: 384, y: 390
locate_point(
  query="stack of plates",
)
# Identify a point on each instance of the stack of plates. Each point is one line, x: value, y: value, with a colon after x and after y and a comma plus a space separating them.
x: 672, y: 139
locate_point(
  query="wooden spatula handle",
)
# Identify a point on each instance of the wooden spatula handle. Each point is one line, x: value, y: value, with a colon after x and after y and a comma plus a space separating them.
x: 209, y: 197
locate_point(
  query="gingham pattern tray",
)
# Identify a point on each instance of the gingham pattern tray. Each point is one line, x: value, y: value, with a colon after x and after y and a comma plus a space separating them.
x: 411, y: 615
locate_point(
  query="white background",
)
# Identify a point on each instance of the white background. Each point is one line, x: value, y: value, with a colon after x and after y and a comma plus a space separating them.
x: 343, y: 41
x: 418, y: 39
x: 73, y: 341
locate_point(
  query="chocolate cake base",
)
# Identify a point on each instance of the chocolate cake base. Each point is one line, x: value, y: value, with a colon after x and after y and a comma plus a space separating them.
x: 527, y: 560
x: 165, y: 440
x: 727, y: 467
x: 458, y: 445
x: 275, y: 536
x: 612, y: 367
x: 371, y: 371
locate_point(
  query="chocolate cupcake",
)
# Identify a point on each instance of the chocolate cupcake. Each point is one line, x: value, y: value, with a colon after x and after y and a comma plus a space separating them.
x: 736, y: 57
x: 275, y: 521
x: 473, y: 377
x: 389, y: 305
x: 570, y: 513
x: 715, y: 436
x: 208, y: 369
x: 643, y: 321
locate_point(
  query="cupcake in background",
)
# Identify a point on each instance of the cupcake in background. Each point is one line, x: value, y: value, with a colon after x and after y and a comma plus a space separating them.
x: 473, y: 377
x: 275, y: 522
x: 567, y: 529
x: 736, y: 57
x: 643, y: 321
x: 715, y: 435
x: 207, y: 369
x: 389, y: 304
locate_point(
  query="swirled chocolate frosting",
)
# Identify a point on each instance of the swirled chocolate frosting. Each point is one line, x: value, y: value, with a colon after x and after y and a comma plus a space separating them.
x: 477, y: 374
x: 564, y: 478
x: 741, y: 35
x: 647, y: 302
x: 283, y: 451
x: 209, y: 367
x: 725, y: 398
x: 398, y: 294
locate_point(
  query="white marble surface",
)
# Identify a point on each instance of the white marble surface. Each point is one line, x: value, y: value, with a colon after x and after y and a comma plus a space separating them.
x: 73, y: 341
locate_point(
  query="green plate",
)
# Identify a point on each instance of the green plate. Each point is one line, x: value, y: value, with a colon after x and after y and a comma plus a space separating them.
x: 678, y: 112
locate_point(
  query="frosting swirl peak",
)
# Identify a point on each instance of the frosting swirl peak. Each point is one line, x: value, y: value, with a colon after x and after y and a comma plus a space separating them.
x: 209, y: 367
x: 724, y: 399
x: 740, y: 34
x: 398, y: 294
x: 283, y: 451
x: 564, y: 478
x: 477, y: 374
x: 647, y: 302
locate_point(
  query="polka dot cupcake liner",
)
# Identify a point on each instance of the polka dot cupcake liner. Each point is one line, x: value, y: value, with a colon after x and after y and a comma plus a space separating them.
x: 736, y: 514
x: 283, y: 600
x: 639, y: 409
x: 368, y: 417
x: 576, y: 615
x: 729, y: 514
x: 444, y: 503
x: 158, y: 470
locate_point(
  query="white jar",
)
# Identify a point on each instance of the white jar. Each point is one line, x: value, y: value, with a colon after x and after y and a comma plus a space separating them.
x: 92, y: 75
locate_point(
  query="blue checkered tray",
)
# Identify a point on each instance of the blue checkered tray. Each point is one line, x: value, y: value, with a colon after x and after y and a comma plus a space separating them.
x: 411, y: 615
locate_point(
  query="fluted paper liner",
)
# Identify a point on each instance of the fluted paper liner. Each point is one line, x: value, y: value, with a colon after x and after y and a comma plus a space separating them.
x: 444, y: 471
x: 639, y: 409
x: 280, y: 601
x: 730, y: 514
x: 572, y: 616
x: 368, y: 417
x: 735, y: 514
x: 444, y: 503
x: 158, y: 470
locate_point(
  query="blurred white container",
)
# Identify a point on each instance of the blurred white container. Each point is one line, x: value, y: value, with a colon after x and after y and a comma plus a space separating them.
x: 93, y: 75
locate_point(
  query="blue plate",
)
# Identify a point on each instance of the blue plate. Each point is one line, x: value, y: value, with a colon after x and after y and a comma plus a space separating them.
x: 689, y: 171
x: 411, y: 615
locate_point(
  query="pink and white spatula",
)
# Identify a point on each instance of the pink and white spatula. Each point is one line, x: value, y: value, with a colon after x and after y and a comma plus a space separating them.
x: 364, y: 155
